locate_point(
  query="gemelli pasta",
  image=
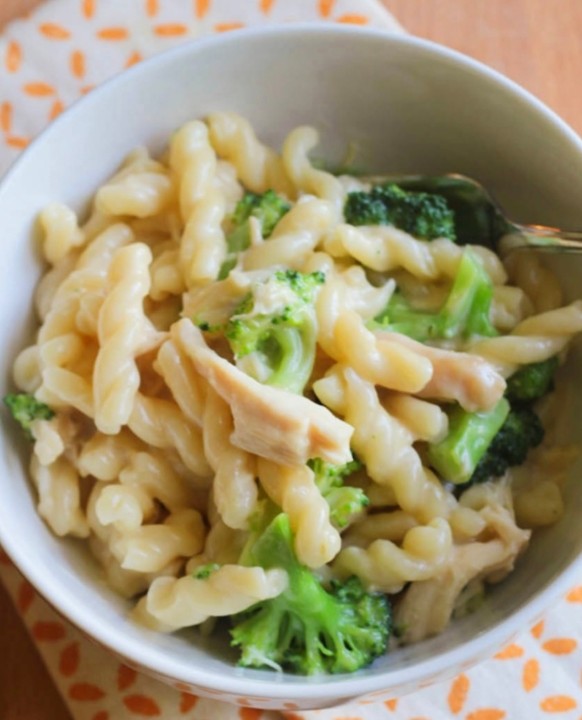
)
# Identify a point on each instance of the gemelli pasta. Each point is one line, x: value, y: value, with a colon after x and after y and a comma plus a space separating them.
x: 252, y: 376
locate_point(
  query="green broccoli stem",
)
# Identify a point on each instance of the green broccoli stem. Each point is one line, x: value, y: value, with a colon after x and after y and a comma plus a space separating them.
x: 468, y: 439
x: 295, y: 351
x: 236, y: 241
x: 465, y: 312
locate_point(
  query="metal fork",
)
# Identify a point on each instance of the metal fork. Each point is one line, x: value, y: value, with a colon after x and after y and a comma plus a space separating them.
x: 480, y: 221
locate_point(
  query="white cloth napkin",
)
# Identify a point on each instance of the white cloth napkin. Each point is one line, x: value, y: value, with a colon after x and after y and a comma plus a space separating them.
x: 47, y: 61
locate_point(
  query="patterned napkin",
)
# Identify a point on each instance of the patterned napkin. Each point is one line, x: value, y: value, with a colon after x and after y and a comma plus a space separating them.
x: 48, y: 60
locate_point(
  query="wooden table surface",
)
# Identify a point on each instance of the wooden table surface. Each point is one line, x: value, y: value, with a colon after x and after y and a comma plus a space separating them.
x: 535, y: 42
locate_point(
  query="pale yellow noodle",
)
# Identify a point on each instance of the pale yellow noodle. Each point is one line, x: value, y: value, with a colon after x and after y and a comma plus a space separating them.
x: 26, y: 370
x: 509, y: 307
x: 385, y: 566
x: 187, y: 387
x: 294, y: 238
x: 166, y: 278
x: 391, y: 526
x: 348, y: 291
x: 150, y: 548
x: 385, y: 364
x: 425, y: 420
x: 105, y: 456
x: 535, y: 339
x: 61, y: 232
x: 172, y: 604
x: 162, y: 424
x: 529, y: 272
x: 141, y: 194
x: 258, y: 166
x: 202, y: 204
x: 59, y: 497
x: 306, y: 178
x: 121, y: 324
x: 384, y: 444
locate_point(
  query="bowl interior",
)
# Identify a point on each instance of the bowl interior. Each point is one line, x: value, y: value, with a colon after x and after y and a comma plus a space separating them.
x: 408, y: 106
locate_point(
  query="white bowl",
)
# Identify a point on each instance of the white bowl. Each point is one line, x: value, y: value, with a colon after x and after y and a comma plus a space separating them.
x: 410, y: 106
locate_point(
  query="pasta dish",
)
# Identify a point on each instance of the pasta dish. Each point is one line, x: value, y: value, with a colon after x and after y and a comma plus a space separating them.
x: 286, y: 404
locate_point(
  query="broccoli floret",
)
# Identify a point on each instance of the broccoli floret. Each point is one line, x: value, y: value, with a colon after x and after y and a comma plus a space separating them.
x: 307, y: 629
x: 204, y: 571
x: 465, y: 312
x: 423, y: 215
x: 480, y: 446
x: 532, y: 381
x: 344, y: 501
x: 272, y: 333
x: 268, y: 208
x: 521, y: 431
x: 26, y: 408
x: 456, y: 457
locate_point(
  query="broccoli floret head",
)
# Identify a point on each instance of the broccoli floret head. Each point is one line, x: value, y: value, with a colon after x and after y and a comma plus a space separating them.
x: 204, y: 571
x: 521, y: 431
x: 532, y: 381
x: 307, y: 629
x: 26, y: 408
x: 344, y: 501
x: 464, y: 314
x: 268, y: 208
x: 424, y: 215
x: 272, y: 333
x: 365, y: 208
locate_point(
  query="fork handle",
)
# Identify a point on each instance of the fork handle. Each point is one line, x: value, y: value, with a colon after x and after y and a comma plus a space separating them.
x: 541, y: 236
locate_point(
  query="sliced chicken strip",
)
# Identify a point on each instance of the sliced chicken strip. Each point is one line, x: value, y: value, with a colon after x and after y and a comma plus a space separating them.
x: 283, y: 427
x: 467, y: 379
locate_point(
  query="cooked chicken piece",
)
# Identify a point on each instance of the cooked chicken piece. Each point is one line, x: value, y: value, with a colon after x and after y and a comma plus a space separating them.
x: 271, y: 423
x: 426, y: 607
x: 467, y: 379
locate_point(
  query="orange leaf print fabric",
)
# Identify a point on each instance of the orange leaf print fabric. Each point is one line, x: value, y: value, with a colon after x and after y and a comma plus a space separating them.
x: 142, y: 705
x: 62, y: 51
x: 531, y: 675
x: 560, y: 646
x: 510, y: 652
x: 13, y: 56
x: 48, y: 631
x: 558, y: 704
x: 69, y: 660
x: 458, y: 693
x: 87, y: 41
x: 54, y: 31
x: 25, y: 597
x: 85, y: 692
